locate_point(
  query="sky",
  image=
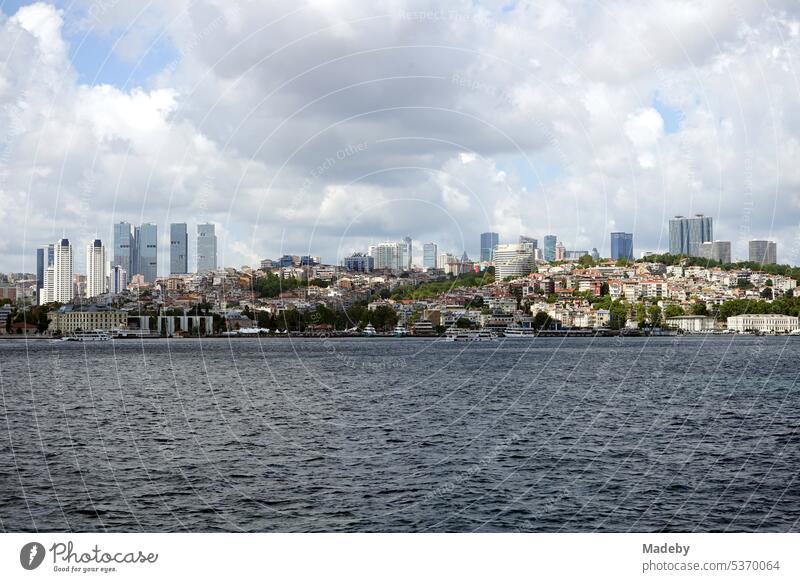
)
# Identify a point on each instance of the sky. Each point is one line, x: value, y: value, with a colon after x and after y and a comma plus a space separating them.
x: 322, y: 127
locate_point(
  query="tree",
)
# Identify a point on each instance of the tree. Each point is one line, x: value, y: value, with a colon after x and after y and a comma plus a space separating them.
x: 463, y: 323
x: 673, y: 311
x: 654, y: 315
x: 586, y: 261
x: 383, y: 318
x: 622, y: 262
x: 767, y: 293
x: 541, y: 320
x: 604, y: 289
x: 699, y: 308
x: 618, y: 312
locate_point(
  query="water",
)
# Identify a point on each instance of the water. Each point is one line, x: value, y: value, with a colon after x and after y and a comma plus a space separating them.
x: 613, y: 434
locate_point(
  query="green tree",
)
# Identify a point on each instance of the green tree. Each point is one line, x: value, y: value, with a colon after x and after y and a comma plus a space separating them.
x: 699, y: 308
x: 541, y: 320
x: 673, y: 311
x: 654, y: 316
x: 618, y: 312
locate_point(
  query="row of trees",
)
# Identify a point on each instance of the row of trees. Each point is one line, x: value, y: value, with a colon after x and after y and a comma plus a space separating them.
x: 383, y: 318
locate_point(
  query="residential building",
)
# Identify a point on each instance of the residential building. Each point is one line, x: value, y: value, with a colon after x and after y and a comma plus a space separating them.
x: 550, y: 247
x: 489, y: 240
x: 95, y: 268
x: 178, y: 248
x: 764, y: 323
x: 206, y: 248
x: 389, y: 255
x: 124, y: 247
x: 561, y: 251
x: 764, y: 252
x: 146, y: 255
x: 48, y: 291
x: 622, y: 246
x: 513, y: 260
x: 686, y: 234
x: 429, y: 252
x: 62, y: 272
x: 359, y: 262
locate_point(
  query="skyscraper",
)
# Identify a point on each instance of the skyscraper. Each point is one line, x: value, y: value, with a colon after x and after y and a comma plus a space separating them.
x: 489, y: 240
x: 146, y: 256
x: 62, y: 271
x: 719, y: 250
x: 550, y: 247
x: 95, y: 268
x: 44, y: 259
x: 206, y: 248
x: 118, y: 280
x: 178, y: 245
x: 407, y: 259
x: 529, y: 240
x: 124, y: 246
x: 622, y: 246
x: 389, y: 255
x: 513, y: 260
x: 429, y: 252
x: 764, y: 252
x: 687, y: 234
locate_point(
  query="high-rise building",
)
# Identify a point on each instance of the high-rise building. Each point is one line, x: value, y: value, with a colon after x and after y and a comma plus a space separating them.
x: 95, y: 268
x: 429, y: 252
x: 687, y: 234
x: 489, y: 240
x: 389, y: 255
x: 407, y: 258
x: 622, y: 246
x: 595, y: 254
x: 124, y: 247
x: 529, y: 240
x: 719, y: 250
x: 146, y: 256
x: 359, y: 262
x: 48, y: 291
x: 561, y: 251
x: 513, y: 260
x: 118, y: 280
x: 178, y: 248
x: 62, y: 271
x: 550, y: 247
x: 44, y: 259
x: 206, y: 248
x: 764, y: 252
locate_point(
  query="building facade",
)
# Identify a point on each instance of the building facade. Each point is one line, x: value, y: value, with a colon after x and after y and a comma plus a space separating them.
x: 91, y: 318
x: 513, y: 260
x: 117, y: 280
x: 687, y: 234
x: 44, y: 259
x: 489, y: 240
x: 206, y: 248
x: 359, y: 262
x: 622, y: 246
x: 124, y: 246
x: 95, y: 268
x: 550, y: 247
x: 763, y: 323
x: 388, y: 255
x: 764, y: 252
x: 178, y: 248
x: 146, y: 256
x: 62, y: 272
x: 429, y: 252
x: 719, y: 250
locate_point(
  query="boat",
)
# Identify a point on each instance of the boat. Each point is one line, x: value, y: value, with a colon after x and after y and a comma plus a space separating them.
x: 369, y: 330
x: 518, y: 332
x: 399, y: 331
x: 468, y: 335
x: 87, y: 336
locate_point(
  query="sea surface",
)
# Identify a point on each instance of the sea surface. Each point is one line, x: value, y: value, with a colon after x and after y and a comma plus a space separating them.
x: 401, y: 435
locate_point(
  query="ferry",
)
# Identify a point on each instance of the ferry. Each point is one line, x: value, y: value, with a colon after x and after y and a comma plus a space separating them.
x: 515, y: 332
x: 87, y: 336
x: 466, y: 335
x: 369, y: 330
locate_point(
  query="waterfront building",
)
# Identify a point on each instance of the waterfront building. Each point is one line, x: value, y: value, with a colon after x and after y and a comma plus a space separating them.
x: 62, y: 272
x: 550, y: 247
x: 513, y: 260
x: 95, y: 268
x: 692, y: 323
x: 69, y: 319
x: 764, y: 252
x: 124, y: 246
x: 178, y: 248
x: 622, y: 246
x: 719, y: 250
x: 206, y: 248
x: 489, y: 240
x: 429, y: 252
x: 359, y: 262
x: 687, y: 234
x: 146, y: 255
x: 763, y: 323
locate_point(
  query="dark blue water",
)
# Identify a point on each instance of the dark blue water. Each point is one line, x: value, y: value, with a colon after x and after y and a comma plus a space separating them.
x: 669, y: 434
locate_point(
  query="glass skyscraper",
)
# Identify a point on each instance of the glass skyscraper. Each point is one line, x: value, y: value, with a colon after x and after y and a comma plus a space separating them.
x: 622, y: 246
x: 206, y: 248
x: 124, y: 247
x: 146, y: 256
x: 178, y: 245
x: 550, y: 247
x: 489, y: 240
x: 429, y: 252
x: 687, y: 234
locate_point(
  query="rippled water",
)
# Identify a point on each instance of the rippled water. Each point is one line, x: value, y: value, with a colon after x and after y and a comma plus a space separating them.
x: 612, y: 434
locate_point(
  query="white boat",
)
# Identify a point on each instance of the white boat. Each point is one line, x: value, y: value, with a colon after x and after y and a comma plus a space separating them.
x: 468, y: 335
x: 87, y: 336
x: 515, y: 332
x: 369, y: 330
x: 399, y: 330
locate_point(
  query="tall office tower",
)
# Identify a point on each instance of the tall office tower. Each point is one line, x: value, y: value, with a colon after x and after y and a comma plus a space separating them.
x: 429, y: 252
x: 146, y: 255
x: 550, y: 247
x: 62, y: 271
x: 44, y: 259
x: 513, y: 260
x: 95, y: 268
x: 124, y: 247
x: 719, y: 250
x: 407, y: 259
x: 622, y: 246
x: 389, y: 255
x: 561, y: 251
x: 529, y: 240
x: 687, y: 234
x: 206, y: 248
x: 48, y: 291
x: 118, y: 280
x: 178, y: 246
x: 489, y: 240
x: 764, y: 252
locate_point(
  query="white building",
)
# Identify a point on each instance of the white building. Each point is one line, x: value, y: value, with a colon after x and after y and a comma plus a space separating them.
x: 692, y: 323
x: 48, y: 290
x: 763, y: 322
x: 513, y: 260
x: 389, y: 255
x: 118, y: 280
x: 429, y: 252
x: 62, y: 271
x: 95, y: 268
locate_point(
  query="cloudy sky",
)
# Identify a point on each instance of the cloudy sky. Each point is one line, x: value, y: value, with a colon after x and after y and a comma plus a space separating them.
x: 324, y: 126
